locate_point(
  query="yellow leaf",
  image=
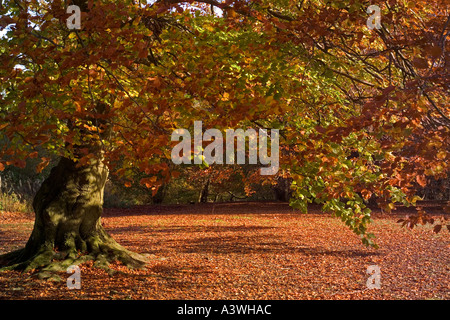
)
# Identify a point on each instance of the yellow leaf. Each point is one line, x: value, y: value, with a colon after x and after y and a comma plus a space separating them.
x: 136, y: 21
x: 441, y: 155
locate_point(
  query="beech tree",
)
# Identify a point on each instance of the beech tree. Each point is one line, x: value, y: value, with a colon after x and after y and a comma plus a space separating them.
x: 361, y: 112
x: 375, y: 103
x: 106, y: 98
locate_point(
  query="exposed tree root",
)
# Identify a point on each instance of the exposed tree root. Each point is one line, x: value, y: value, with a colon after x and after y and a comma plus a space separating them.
x: 67, y: 229
x: 46, y: 261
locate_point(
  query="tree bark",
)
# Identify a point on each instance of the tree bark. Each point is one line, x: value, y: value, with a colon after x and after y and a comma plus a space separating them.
x: 158, y: 198
x: 67, y: 228
x: 282, y: 189
x: 204, y: 192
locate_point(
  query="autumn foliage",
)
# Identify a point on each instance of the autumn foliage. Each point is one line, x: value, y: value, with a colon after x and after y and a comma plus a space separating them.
x: 363, y: 114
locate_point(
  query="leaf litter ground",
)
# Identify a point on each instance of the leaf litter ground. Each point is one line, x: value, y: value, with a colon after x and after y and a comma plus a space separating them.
x: 245, y: 251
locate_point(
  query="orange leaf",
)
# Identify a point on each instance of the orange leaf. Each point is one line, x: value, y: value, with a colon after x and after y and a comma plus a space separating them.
x: 421, y: 180
x: 148, y: 182
x: 33, y: 154
x: 45, y: 161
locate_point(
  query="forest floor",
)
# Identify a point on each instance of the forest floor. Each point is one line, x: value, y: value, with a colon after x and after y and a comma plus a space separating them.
x: 246, y: 251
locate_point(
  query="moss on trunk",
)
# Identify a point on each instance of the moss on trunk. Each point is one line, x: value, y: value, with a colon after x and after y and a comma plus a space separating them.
x: 67, y: 228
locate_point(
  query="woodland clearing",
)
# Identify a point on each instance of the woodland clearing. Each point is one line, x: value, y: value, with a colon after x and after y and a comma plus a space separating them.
x: 246, y: 251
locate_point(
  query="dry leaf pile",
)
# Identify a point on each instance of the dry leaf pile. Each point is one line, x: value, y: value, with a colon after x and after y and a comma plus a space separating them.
x: 246, y: 251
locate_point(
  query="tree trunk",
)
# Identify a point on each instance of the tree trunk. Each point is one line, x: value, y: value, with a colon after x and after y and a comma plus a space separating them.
x: 158, y: 198
x: 282, y: 190
x: 204, y: 192
x: 67, y: 228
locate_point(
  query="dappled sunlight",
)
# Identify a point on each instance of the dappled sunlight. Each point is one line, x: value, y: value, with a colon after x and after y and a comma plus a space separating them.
x: 236, y: 253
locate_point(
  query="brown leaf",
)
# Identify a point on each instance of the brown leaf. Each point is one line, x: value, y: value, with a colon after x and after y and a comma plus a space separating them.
x: 437, y: 228
x: 433, y: 51
x: 420, y: 63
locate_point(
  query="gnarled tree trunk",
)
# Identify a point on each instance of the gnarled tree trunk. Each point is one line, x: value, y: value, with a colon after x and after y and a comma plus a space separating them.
x: 67, y: 228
